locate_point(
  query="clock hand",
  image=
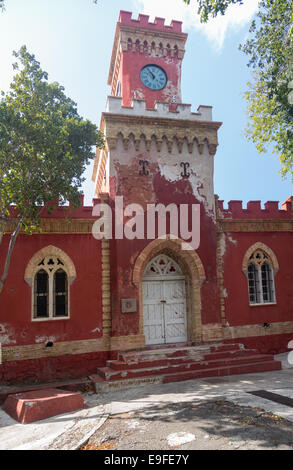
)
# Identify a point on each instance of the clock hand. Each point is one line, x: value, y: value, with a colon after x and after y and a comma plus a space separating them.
x: 151, y: 74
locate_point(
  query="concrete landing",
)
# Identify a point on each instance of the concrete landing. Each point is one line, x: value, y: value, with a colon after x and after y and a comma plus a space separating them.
x: 41, y: 404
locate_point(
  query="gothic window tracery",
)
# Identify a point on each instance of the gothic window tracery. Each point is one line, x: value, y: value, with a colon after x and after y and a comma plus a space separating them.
x: 162, y: 265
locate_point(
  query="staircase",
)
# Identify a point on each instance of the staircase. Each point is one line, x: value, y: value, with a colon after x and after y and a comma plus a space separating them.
x: 177, y: 363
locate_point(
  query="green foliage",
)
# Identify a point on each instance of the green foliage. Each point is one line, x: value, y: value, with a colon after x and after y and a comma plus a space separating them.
x: 270, y: 51
x: 44, y: 143
x: 271, y: 55
x: 211, y: 8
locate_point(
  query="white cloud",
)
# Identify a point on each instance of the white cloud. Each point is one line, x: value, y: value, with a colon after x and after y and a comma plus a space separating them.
x: 216, y: 29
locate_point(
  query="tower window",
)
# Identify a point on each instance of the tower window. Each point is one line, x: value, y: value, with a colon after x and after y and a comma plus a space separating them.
x: 118, y: 89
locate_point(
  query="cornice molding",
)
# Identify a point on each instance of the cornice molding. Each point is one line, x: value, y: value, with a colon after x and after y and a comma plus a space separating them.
x: 51, y: 225
x: 144, y: 127
x: 254, y: 225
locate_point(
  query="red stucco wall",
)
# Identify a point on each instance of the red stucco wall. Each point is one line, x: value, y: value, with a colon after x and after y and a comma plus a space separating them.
x: 85, y: 293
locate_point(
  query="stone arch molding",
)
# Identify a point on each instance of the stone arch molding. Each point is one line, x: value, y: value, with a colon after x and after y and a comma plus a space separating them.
x: 189, y: 257
x: 49, y: 251
x: 191, y: 266
x: 266, y: 249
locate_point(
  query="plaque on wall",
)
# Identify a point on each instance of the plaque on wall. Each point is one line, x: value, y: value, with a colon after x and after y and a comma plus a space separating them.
x: 128, y: 305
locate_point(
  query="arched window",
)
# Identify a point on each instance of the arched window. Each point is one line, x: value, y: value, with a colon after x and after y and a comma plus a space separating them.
x: 50, y: 273
x: 253, y: 284
x: 60, y: 293
x: 260, y: 274
x: 41, y: 294
x: 50, y: 287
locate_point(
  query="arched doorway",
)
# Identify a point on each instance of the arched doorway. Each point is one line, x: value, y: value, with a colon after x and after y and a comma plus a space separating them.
x: 164, y: 301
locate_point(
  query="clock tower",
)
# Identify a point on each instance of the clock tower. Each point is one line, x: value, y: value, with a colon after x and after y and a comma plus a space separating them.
x: 159, y: 153
x: 146, y: 60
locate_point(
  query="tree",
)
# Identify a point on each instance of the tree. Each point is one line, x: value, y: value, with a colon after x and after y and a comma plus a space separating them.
x: 211, y: 8
x: 44, y: 148
x: 270, y: 49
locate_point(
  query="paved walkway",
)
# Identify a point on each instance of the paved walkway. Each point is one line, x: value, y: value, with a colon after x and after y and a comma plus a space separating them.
x: 71, y: 430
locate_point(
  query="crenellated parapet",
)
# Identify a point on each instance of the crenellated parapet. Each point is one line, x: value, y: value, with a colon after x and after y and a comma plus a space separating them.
x: 253, y: 210
x: 126, y: 19
x: 58, y: 218
x: 159, y: 125
x: 236, y: 218
x: 161, y: 109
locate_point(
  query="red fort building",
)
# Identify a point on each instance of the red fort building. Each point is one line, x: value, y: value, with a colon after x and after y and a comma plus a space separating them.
x: 139, y: 305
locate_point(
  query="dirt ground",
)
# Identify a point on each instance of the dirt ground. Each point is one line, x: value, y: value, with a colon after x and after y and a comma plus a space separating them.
x: 209, y: 425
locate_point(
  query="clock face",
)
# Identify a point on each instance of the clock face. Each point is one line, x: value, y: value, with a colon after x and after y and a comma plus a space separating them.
x: 153, y: 77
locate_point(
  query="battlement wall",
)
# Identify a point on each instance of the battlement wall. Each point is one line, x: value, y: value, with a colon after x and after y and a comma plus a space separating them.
x: 254, y: 210
x: 179, y: 110
x: 64, y: 211
x: 125, y: 18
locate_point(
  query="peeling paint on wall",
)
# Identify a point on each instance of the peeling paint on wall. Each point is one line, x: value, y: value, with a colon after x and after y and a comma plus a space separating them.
x: 6, y: 334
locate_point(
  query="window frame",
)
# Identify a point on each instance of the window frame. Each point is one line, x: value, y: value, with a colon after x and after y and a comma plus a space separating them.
x: 260, y: 255
x: 35, y: 264
x: 51, y: 300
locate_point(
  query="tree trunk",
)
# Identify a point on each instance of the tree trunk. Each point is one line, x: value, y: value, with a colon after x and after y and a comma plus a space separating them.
x: 9, y: 253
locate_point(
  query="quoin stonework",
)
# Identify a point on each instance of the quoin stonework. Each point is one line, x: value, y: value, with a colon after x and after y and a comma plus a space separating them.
x: 73, y: 301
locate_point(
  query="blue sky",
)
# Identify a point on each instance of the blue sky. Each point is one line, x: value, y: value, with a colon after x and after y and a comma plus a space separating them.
x: 73, y: 41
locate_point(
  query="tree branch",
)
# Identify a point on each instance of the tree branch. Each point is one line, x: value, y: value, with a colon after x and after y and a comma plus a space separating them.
x: 9, y: 253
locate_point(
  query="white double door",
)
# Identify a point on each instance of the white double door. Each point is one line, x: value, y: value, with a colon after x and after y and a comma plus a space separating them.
x: 164, y: 311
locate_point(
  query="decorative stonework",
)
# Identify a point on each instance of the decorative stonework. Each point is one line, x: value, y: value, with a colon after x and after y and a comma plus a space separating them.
x: 261, y: 248
x: 149, y: 128
x: 191, y: 267
x: 249, y: 225
x: 52, y: 225
x: 44, y: 253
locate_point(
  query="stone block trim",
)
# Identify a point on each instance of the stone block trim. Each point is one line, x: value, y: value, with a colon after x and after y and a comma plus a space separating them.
x: 246, y: 331
x: 127, y: 342
x: 220, y: 273
x: 255, y: 225
x: 37, y: 351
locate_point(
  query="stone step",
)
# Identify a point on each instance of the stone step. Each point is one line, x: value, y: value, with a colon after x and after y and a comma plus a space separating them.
x: 225, y: 371
x: 233, y: 353
x: 110, y: 374
x: 168, y: 352
x: 103, y: 386
x: 135, y: 363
